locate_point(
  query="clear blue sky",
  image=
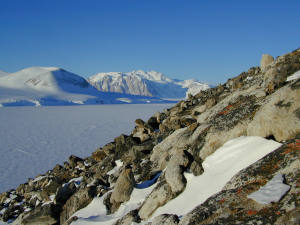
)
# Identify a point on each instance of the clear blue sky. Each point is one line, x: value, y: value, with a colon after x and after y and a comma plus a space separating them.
x: 208, y: 40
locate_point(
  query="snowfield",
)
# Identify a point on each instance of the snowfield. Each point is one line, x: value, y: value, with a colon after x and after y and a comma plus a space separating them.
x: 34, y: 139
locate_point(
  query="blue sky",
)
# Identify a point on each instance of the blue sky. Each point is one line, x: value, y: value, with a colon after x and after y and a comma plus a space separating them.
x: 208, y: 40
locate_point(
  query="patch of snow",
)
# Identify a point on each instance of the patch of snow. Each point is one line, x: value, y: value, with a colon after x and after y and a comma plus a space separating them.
x: 219, y: 168
x: 27, y: 209
x: 127, y: 100
x: 119, y: 164
x: 76, y: 181
x: 294, y: 76
x: 38, y: 178
x: 2, y: 211
x: 95, y: 212
x: 273, y: 191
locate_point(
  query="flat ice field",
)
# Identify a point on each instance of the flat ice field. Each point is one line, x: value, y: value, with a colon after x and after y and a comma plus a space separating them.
x: 35, y: 139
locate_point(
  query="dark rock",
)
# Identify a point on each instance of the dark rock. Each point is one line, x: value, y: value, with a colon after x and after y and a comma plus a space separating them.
x: 77, y: 201
x: 99, y: 155
x: 107, y: 203
x: 64, y: 193
x: 153, y: 123
x: 42, y: 215
x: 73, y: 160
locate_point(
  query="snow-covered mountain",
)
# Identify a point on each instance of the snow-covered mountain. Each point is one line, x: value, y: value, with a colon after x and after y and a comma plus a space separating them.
x: 150, y: 83
x: 55, y: 86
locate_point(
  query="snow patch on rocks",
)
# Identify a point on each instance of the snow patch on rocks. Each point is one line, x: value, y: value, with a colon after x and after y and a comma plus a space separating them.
x: 273, y: 191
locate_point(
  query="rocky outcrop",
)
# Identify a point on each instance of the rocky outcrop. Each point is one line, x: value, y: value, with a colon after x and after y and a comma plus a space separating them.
x: 258, y: 102
x: 266, y: 60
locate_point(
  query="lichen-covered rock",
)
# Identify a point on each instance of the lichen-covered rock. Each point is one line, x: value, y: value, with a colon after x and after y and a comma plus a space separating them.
x: 158, y: 197
x: 278, y: 116
x: 99, y: 155
x: 122, y: 189
x: 174, y: 172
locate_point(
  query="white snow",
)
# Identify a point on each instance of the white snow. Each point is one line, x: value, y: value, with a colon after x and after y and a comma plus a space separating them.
x: 95, y: 212
x: 272, y: 191
x: 119, y: 164
x: 219, y: 168
x: 294, y: 76
x: 34, y: 139
x: 76, y: 180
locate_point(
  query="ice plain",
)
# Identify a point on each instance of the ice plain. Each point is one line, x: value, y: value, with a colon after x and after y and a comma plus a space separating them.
x: 35, y: 139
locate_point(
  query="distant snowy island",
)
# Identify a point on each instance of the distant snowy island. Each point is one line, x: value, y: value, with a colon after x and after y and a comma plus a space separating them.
x: 35, y: 86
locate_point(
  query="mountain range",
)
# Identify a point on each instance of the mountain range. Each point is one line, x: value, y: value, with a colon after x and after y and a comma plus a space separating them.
x: 56, y: 86
x: 152, y: 83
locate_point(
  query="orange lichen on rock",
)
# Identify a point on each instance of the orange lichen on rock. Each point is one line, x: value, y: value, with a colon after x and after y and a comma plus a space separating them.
x: 251, y: 212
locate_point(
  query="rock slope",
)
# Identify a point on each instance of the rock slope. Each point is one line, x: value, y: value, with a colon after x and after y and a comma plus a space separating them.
x: 174, y: 145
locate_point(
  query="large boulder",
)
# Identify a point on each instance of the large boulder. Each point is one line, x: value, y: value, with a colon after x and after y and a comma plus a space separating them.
x: 123, y: 188
x: 174, y: 172
x: 161, y: 194
x: 266, y: 60
x: 278, y: 117
x: 77, y: 201
x: 47, y: 214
